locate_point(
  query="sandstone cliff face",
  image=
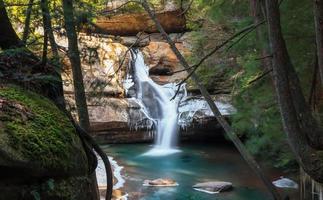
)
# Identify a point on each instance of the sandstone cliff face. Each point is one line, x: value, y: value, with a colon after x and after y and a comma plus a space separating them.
x: 104, y: 65
x: 162, y: 62
x: 115, y: 116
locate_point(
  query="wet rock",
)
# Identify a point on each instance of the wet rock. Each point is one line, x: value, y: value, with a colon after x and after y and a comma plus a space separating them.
x: 160, y: 70
x: 285, y: 183
x: 166, y: 182
x: 213, y: 186
x: 158, y: 55
x: 194, y: 110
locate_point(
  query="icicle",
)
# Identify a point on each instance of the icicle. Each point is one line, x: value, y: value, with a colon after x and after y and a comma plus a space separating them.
x: 316, y: 188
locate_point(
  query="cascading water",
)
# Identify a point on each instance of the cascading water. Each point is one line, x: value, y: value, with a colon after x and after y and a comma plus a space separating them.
x: 157, y: 103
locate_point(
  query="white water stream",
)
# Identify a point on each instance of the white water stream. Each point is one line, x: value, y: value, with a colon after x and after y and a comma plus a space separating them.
x: 158, y: 104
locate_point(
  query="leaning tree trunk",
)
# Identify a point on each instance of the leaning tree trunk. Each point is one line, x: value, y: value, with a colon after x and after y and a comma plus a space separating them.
x: 303, y: 133
x: 8, y: 36
x: 74, y: 56
x: 318, y: 18
x: 228, y: 129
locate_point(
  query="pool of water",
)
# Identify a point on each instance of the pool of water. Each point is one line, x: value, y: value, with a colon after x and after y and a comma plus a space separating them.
x: 194, y: 164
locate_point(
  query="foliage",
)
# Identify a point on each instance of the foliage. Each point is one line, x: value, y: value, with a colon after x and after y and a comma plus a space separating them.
x: 258, y: 118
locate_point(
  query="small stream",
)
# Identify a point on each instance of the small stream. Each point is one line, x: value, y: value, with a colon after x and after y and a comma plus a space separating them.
x: 196, y: 163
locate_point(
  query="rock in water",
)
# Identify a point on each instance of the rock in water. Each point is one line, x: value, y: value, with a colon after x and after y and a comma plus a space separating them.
x: 160, y: 182
x: 285, y: 183
x: 213, y: 187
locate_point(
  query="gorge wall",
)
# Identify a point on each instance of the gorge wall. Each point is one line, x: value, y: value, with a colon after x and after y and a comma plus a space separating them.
x: 115, y: 116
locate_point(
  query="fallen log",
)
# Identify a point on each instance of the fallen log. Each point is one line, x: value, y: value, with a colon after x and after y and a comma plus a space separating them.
x: 133, y: 23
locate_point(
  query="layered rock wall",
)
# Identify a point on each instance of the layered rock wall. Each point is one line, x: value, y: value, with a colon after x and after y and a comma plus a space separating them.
x: 115, y: 115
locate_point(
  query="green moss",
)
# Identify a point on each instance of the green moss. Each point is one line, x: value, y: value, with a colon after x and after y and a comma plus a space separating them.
x: 70, y: 189
x: 46, y: 136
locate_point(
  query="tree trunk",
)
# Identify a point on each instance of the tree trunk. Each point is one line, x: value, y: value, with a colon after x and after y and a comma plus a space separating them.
x: 45, y: 47
x: 8, y: 36
x: 318, y: 18
x: 27, y: 21
x: 79, y: 92
x: 74, y: 56
x: 49, y: 35
x: 48, y: 27
x: 302, y: 130
x: 229, y: 131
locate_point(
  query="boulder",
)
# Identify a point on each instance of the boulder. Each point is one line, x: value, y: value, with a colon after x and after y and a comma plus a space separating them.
x: 40, y: 151
x: 213, y: 186
x: 285, y: 183
x: 160, y: 182
x: 35, y: 134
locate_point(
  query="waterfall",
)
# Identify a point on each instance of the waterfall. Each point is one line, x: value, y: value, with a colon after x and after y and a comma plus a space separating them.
x: 157, y: 103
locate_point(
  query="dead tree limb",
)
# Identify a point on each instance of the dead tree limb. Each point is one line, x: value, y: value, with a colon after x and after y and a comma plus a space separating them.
x: 229, y: 131
x: 260, y: 76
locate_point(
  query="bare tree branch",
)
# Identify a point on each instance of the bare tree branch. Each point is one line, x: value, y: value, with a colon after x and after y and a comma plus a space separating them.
x: 260, y: 76
x: 138, y: 40
x: 187, y: 8
x: 264, y: 57
x: 239, y: 39
x: 21, y: 4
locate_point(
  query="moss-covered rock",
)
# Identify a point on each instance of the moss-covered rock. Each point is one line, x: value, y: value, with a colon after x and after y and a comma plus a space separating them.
x: 75, y: 188
x: 35, y: 134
